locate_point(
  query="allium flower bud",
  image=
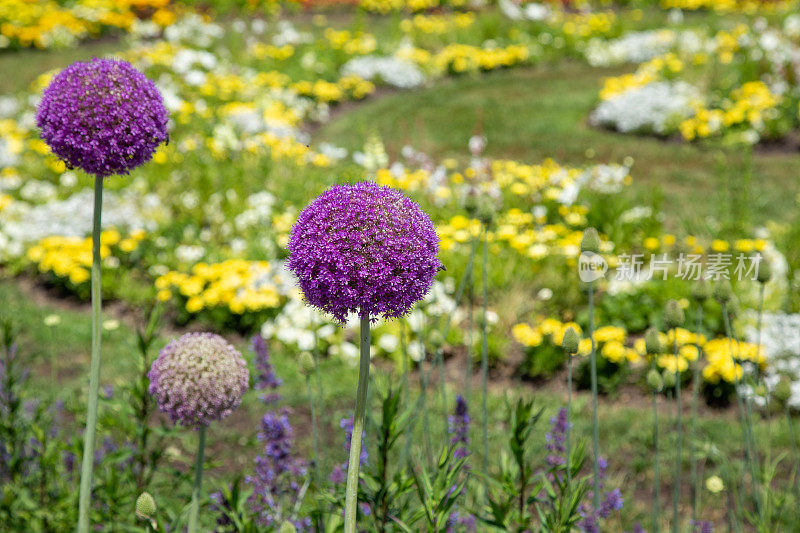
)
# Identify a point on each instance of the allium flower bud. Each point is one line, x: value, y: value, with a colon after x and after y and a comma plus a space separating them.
x: 673, y: 314
x: 306, y: 363
x: 701, y: 291
x: 733, y: 308
x: 764, y: 271
x: 670, y: 379
x: 145, y: 506
x: 486, y: 211
x: 436, y: 339
x: 471, y: 204
x: 722, y: 291
x: 198, y: 378
x: 287, y: 527
x: 654, y: 380
x: 571, y: 341
x: 652, y: 344
x: 783, y: 391
x: 103, y: 116
x: 590, y: 241
x: 363, y: 249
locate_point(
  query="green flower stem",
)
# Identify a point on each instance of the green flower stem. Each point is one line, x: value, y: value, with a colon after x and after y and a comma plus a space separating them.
x: 318, y: 397
x: 468, y: 329
x: 656, y: 476
x: 351, y: 492
x: 569, y: 423
x: 315, y: 432
x: 595, y: 425
x: 194, y: 510
x: 743, y: 411
x: 676, y: 495
x: 485, y: 350
x: 693, y: 423
x: 85, y: 493
x: 795, y: 449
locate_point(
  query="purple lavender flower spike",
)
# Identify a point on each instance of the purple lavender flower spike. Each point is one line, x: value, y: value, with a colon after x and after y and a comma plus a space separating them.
x: 265, y: 373
x: 363, y: 249
x: 198, y: 378
x: 103, y: 116
x: 459, y: 423
x: 278, y: 474
x: 612, y: 501
x: 556, y: 438
x: 703, y: 526
x: 339, y: 473
x: 347, y: 425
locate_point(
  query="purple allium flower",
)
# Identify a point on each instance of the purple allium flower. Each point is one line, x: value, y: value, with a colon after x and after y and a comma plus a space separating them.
x: 459, y: 428
x: 198, y: 378
x: 265, y: 373
x: 364, y: 249
x: 103, y: 116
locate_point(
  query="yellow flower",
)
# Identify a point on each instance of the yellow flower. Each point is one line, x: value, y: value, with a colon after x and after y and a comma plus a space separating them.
x: 526, y: 335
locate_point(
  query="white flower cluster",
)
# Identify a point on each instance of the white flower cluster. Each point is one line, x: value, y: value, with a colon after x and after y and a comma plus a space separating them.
x: 192, y: 29
x: 652, y: 108
x: 780, y: 340
x: 258, y: 211
x: 531, y: 11
x: 390, y: 70
x: 633, y: 47
x: 303, y: 328
x: 22, y: 223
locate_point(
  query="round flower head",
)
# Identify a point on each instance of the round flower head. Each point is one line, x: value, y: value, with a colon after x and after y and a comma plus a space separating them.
x: 198, y: 378
x: 103, y: 116
x: 365, y: 249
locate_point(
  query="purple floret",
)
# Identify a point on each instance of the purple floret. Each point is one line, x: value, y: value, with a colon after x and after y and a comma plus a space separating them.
x: 458, y: 429
x: 363, y: 249
x: 103, y: 116
x: 198, y: 378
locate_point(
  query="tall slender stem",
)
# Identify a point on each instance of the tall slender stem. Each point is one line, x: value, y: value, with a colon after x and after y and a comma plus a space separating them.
x: 315, y: 432
x: 468, y: 333
x: 595, y: 425
x: 656, y: 476
x: 569, y: 422
x: 351, y: 492
x: 695, y: 493
x: 485, y: 350
x: 194, y: 510
x: 85, y: 493
x: 317, y: 396
x: 743, y: 410
x: 676, y: 495
x: 795, y: 448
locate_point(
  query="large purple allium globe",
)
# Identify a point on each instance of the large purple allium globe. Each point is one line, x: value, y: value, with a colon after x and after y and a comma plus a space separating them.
x: 103, y: 116
x: 364, y: 249
x: 198, y: 378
